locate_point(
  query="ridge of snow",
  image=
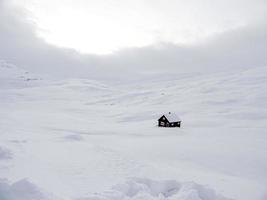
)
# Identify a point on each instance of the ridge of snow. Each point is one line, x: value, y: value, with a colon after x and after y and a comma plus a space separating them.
x: 147, y: 189
x: 12, y: 76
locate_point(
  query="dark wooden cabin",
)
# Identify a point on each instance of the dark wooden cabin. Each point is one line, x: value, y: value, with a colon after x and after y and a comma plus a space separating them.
x: 169, y: 120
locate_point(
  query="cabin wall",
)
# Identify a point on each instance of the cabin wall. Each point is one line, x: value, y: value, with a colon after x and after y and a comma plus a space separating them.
x: 177, y: 124
x: 162, y: 123
x: 167, y: 124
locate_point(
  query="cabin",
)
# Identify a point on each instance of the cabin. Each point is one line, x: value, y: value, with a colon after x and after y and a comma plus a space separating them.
x: 169, y: 120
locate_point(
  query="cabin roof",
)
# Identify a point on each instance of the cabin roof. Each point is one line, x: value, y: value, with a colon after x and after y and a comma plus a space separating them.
x: 172, y: 117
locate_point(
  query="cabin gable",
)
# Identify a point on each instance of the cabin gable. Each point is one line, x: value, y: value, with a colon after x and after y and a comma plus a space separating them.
x: 163, y: 119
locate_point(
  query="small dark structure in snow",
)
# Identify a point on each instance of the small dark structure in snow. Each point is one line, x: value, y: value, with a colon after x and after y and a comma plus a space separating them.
x: 169, y: 120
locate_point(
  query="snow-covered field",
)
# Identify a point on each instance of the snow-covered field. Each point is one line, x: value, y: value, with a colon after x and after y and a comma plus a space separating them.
x: 81, y: 139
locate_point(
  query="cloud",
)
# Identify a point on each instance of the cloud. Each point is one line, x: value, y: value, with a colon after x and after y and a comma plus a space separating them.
x: 242, y: 47
x: 21, y: 46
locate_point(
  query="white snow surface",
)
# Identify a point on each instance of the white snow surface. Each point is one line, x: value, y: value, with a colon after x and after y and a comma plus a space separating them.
x: 172, y: 117
x: 20, y: 190
x: 86, y: 140
x: 146, y: 189
x: 13, y: 77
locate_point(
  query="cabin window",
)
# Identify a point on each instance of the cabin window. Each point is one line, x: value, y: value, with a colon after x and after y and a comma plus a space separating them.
x: 171, y: 124
x: 162, y: 123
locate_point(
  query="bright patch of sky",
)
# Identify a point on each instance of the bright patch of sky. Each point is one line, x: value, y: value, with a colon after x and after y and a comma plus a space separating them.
x: 105, y: 26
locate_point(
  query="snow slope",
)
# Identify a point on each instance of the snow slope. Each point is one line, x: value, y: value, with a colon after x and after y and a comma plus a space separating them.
x: 13, y: 77
x: 82, y: 139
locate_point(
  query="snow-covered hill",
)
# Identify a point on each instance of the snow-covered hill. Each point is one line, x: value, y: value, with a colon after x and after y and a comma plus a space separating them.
x: 12, y: 76
x: 82, y: 139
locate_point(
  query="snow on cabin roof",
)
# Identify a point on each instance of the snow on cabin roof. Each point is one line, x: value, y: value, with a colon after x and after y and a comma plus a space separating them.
x: 172, y: 117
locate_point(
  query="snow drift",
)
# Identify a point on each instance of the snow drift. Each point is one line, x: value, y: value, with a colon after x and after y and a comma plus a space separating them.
x: 147, y: 189
x: 21, y: 190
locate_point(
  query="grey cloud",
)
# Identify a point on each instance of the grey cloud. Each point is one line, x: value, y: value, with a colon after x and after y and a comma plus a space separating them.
x: 21, y: 46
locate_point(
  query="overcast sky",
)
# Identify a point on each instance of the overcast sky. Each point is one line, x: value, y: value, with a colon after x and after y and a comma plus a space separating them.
x: 99, y: 38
